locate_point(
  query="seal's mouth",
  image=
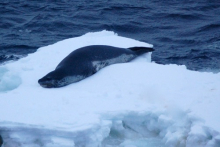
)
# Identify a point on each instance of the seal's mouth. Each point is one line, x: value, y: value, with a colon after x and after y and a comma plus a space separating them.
x: 46, y: 86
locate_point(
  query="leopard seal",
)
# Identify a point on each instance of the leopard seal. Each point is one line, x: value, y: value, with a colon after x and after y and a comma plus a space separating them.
x: 86, y: 61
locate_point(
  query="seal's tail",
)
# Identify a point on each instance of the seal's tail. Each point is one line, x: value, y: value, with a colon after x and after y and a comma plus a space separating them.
x: 141, y: 50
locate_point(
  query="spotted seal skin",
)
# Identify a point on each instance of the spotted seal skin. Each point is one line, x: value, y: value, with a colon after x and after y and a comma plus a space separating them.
x: 85, y: 61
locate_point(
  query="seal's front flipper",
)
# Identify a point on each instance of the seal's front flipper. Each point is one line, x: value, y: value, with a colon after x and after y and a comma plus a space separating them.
x: 141, y: 50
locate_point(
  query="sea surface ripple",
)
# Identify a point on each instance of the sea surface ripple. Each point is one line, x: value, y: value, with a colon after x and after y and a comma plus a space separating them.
x: 183, y: 32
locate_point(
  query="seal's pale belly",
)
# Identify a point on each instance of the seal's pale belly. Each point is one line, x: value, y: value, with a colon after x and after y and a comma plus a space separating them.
x: 120, y: 59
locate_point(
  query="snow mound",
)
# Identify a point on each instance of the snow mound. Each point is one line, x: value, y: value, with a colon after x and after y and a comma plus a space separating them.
x: 135, y: 104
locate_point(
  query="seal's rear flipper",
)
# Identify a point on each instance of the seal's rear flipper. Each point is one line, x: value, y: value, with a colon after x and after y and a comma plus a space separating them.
x: 141, y: 50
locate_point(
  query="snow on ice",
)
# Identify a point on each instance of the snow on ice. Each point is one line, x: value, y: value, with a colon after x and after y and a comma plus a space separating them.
x: 135, y: 104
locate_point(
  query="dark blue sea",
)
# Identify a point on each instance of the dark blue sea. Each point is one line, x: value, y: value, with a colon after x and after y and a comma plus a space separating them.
x: 183, y: 32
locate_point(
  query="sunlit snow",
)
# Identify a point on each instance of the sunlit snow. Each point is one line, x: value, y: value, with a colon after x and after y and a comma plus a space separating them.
x: 135, y: 104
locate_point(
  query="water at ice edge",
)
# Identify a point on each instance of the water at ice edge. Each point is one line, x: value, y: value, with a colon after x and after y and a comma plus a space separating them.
x: 126, y: 105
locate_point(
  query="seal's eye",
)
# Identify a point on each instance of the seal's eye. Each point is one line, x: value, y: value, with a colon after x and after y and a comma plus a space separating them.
x: 48, y: 78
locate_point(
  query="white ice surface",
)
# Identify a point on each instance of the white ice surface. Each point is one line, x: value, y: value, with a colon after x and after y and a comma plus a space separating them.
x: 138, y: 103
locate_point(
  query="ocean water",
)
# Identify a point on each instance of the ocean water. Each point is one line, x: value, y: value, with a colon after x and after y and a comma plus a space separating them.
x: 183, y: 32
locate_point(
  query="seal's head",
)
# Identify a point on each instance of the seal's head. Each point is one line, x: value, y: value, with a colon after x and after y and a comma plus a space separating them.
x: 53, y: 79
x: 59, y: 78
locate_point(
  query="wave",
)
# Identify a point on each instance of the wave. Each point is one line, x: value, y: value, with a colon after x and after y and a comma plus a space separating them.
x: 184, y: 26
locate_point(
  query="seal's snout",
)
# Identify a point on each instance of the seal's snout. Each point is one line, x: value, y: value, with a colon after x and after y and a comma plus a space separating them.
x: 46, y: 82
